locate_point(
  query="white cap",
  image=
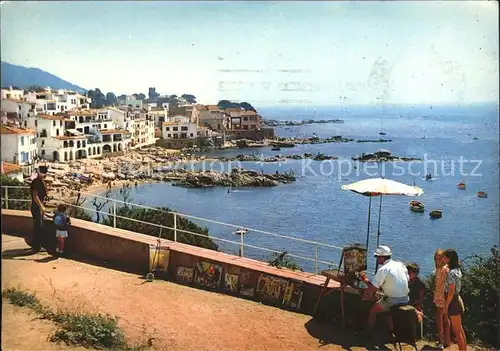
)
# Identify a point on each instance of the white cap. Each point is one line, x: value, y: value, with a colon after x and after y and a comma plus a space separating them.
x: 383, y: 251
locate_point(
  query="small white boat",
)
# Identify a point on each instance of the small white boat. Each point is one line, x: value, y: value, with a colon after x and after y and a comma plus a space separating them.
x: 241, y: 231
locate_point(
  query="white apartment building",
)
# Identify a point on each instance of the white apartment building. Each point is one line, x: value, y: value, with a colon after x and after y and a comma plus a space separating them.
x: 132, y: 102
x: 179, y: 127
x: 159, y: 115
x: 52, y: 102
x: 139, y: 123
x: 11, y: 93
x: 78, y: 135
x: 19, y: 146
x: 17, y: 110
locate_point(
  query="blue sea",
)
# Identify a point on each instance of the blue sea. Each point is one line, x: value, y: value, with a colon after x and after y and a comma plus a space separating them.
x: 316, y: 208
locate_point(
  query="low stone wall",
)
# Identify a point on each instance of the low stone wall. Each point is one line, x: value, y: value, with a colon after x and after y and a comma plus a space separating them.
x: 193, y: 266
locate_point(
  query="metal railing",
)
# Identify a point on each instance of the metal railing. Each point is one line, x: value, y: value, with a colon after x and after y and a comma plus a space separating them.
x: 112, y: 211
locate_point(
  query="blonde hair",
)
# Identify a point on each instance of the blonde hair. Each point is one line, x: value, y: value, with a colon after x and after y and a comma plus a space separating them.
x: 439, y: 252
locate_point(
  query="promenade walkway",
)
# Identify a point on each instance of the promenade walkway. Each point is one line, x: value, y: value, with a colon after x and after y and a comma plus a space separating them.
x: 178, y: 317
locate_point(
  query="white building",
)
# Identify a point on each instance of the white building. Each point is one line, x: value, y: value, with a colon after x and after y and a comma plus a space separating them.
x: 17, y: 110
x: 78, y: 135
x: 11, y: 93
x: 179, y: 127
x: 19, y: 146
x: 52, y: 102
x: 139, y: 123
x: 158, y: 115
x: 132, y: 102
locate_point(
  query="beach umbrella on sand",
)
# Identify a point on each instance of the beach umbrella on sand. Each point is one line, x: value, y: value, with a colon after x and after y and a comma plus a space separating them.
x: 381, y: 187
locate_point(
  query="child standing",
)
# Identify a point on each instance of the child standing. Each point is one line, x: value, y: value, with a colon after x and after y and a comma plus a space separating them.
x: 62, y: 222
x: 442, y: 321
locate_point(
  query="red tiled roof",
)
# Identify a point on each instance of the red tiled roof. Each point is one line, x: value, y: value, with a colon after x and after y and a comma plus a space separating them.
x: 13, y: 130
x: 249, y: 113
x: 17, y: 100
x: 70, y: 137
x: 8, y: 168
x: 233, y: 109
x: 53, y: 118
x: 82, y: 112
x: 113, y: 131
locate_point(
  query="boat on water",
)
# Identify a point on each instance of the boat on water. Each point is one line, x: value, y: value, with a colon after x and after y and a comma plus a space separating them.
x: 424, y: 136
x: 241, y: 231
x: 461, y: 186
x: 275, y: 148
x: 436, y: 214
x: 381, y: 130
x: 282, y: 144
x: 416, y: 206
x: 428, y: 177
x: 482, y: 194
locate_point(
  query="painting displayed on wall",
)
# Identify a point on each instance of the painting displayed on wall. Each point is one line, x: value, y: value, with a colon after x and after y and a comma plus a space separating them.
x: 247, y: 286
x: 208, y: 274
x: 231, y: 283
x: 184, y: 275
x: 293, y: 295
x: 158, y: 258
x: 271, y: 288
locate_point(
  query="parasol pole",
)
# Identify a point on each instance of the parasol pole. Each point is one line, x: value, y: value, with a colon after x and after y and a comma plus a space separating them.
x: 369, y: 216
x: 378, y: 229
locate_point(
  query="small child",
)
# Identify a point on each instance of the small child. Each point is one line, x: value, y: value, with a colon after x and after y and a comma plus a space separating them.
x: 417, y: 287
x: 62, y: 222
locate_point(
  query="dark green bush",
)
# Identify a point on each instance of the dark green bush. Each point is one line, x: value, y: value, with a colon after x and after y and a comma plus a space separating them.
x: 161, y: 217
x: 91, y: 331
x: 280, y: 260
x: 87, y: 330
x: 21, y: 298
x: 23, y: 194
x: 480, y: 293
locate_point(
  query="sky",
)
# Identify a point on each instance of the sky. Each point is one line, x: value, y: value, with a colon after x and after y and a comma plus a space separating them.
x: 266, y: 53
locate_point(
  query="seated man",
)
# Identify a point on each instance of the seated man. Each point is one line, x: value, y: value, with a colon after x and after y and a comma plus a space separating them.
x: 392, y: 277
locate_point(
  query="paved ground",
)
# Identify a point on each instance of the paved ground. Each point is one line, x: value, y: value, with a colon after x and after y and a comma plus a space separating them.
x: 178, y: 317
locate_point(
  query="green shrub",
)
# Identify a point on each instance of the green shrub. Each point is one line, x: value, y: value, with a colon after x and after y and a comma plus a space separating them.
x: 280, y: 260
x: 91, y: 331
x: 87, y: 330
x: 161, y: 217
x: 14, y: 193
x: 21, y: 298
x: 480, y: 293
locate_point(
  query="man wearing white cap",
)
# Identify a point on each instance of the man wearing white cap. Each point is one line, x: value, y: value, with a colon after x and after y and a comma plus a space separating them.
x: 392, y: 278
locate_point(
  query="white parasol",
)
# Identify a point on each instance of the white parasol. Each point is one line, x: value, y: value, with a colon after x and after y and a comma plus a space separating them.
x: 380, y: 187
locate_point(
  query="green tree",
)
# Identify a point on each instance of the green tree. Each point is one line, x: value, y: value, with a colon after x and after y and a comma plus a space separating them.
x: 111, y: 99
x: 247, y: 107
x: 189, y: 98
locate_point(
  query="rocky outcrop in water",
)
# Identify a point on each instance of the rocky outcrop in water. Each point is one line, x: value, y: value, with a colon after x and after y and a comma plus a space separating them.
x: 382, y: 156
x: 255, y: 158
x: 237, y: 178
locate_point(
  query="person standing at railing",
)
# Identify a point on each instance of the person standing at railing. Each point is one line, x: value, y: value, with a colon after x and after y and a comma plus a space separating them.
x: 38, y: 192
